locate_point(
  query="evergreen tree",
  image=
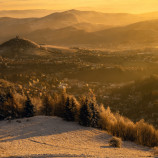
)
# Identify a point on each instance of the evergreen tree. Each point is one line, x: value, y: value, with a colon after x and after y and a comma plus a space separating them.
x: 47, y: 108
x: 3, y: 106
x: 95, y: 114
x: 70, y: 109
x: 28, y: 108
x: 68, y: 115
x: 61, y: 105
x: 74, y: 108
x: 85, y: 114
x: 11, y: 109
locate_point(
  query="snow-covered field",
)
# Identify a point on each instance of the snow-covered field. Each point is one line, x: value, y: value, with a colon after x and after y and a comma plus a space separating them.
x: 41, y: 137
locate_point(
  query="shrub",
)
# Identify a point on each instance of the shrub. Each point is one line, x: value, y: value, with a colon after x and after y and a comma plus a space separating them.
x: 115, y: 142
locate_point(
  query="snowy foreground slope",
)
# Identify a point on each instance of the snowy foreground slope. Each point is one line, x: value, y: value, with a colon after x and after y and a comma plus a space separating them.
x: 42, y: 137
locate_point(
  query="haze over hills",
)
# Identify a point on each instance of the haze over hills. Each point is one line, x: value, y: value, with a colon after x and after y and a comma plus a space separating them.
x: 63, y: 19
x: 84, y: 28
x: 10, y: 27
x: 25, y: 13
x: 138, y: 34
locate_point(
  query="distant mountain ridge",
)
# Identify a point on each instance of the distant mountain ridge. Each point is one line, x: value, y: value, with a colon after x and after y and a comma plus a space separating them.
x: 87, y: 28
x: 141, y: 34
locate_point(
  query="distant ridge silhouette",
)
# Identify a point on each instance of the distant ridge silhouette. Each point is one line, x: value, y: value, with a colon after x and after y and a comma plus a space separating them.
x: 18, y: 42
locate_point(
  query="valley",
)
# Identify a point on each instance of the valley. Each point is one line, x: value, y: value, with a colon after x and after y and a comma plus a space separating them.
x: 48, y: 69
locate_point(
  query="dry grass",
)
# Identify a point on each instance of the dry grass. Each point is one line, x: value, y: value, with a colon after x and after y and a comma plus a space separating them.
x: 146, y: 134
x: 156, y: 151
x: 141, y: 132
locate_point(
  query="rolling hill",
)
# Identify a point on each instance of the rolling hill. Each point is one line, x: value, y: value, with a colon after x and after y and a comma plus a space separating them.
x: 85, y: 28
x: 19, y: 43
x: 43, y: 136
x: 139, y: 34
x: 86, y: 20
x: 63, y: 36
x: 21, y: 47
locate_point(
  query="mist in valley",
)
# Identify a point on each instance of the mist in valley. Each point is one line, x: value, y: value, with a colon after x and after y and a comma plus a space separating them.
x: 63, y: 62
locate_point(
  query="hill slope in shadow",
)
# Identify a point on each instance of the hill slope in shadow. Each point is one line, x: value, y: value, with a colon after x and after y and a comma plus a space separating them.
x: 21, y: 47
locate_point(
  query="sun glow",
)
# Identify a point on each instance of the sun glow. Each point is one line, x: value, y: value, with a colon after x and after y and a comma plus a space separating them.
x: 133, y: 6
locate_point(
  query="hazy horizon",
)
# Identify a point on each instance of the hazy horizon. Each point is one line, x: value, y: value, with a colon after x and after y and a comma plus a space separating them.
x: 113, y: 6
x: 79, y: 9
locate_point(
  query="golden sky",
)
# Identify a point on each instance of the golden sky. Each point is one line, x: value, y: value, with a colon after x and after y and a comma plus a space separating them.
x: 131, y: 6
